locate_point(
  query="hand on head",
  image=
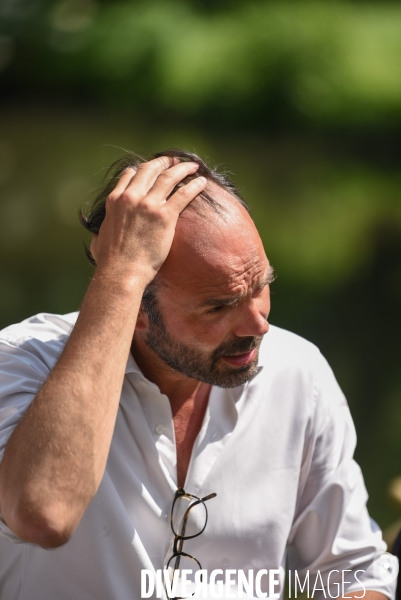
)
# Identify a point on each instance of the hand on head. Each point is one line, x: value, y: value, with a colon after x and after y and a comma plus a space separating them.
x: 139, y: 225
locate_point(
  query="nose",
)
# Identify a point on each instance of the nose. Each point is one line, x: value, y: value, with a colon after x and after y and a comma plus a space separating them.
x: 252, y: 320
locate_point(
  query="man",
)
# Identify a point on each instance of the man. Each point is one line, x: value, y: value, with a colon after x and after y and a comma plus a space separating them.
x: 167, y: 380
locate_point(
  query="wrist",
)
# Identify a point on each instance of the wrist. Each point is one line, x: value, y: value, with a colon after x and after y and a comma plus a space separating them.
x: 123, y: 280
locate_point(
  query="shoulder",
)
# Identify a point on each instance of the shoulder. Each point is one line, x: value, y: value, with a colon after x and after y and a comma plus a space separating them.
x: 295, y: 365
x: 42, y: 336
x: 282, y: 349
x: 43, y: 326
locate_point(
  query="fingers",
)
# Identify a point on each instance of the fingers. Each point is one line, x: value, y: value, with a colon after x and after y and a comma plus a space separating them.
x: 152, y: 182
x: 168, y: 179
x: 182, y: 197
x: 147, y: 173
x: 123, y: 182
x: 144, y: 174
x: 139, y: 225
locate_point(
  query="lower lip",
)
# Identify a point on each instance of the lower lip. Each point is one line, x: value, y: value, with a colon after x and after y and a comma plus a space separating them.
x: 241, y: 359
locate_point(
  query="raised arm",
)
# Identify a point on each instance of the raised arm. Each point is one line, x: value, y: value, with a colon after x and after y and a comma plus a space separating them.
x: 55, y: 459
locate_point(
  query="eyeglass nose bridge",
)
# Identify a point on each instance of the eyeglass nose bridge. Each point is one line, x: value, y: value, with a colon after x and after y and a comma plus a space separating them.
x: 177, y: 556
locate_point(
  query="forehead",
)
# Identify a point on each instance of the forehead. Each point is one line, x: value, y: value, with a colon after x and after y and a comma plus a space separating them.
x: 214, y: 253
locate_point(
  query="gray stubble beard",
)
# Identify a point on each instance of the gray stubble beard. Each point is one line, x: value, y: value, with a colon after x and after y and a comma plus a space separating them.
x: 192, y: 363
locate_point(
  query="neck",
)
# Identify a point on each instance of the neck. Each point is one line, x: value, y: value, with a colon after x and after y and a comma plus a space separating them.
x: 188, y: 400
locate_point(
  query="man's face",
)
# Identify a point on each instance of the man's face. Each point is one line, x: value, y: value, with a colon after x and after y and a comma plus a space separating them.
x: 213, y: 300
x: 216, y: 367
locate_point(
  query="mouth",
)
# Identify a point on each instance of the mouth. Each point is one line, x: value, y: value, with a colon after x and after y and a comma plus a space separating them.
x: 241, y: 360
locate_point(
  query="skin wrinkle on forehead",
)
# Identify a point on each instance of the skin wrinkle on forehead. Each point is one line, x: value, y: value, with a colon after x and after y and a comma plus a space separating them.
x: 236, y: 278
x: 238, y: 283
x: 238, y: 292
x: 227, y: 284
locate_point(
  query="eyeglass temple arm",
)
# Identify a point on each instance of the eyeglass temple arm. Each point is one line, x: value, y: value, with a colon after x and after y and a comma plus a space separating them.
x: 208, y: 497
x: 184, y: 524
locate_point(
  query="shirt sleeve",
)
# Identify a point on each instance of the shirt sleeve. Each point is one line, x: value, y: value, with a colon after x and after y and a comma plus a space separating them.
x: 333, y: 541
x: 22, y: 372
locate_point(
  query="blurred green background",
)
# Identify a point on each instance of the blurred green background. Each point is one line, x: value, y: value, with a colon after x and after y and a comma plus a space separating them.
x: 300, y: 100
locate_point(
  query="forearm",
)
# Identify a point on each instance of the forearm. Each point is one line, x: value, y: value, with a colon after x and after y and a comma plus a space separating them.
x: 55, y: 458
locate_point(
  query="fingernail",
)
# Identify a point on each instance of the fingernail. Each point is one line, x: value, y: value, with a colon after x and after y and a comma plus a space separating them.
x: 202, y: 179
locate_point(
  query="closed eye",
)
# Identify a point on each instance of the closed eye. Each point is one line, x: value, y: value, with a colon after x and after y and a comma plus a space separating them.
x: 216, y: 309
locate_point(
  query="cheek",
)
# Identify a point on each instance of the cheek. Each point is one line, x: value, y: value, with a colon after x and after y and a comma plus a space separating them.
x: 196, y: 330
x: 212, y: 333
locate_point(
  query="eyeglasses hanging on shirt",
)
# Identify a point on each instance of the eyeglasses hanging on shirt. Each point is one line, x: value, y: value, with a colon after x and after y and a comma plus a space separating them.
x: 188, y: 520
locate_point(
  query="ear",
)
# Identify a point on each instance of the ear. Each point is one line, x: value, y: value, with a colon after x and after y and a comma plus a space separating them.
x: 93, y: 245
x: 142, y: 321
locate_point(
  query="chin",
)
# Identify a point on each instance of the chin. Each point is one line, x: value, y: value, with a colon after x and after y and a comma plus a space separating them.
x: 235, y: 376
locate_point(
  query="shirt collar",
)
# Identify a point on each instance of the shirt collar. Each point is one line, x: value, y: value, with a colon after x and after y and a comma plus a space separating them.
x: 132, y: 367
x: 134, y: 372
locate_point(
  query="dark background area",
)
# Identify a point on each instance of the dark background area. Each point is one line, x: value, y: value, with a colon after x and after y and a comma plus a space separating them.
x: 300, y: 100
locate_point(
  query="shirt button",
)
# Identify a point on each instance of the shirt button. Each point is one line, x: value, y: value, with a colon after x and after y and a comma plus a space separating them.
x: 159, y: 429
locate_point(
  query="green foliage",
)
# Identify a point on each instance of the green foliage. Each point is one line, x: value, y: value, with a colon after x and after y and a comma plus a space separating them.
x: 326, y: 63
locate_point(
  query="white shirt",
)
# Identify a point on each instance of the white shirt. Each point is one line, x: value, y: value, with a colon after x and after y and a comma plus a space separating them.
x: 276, y: 451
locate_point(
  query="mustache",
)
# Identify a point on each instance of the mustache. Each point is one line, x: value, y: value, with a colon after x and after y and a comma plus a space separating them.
x: 237, y: 346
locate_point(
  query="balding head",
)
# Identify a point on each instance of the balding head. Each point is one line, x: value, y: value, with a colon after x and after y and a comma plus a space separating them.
x: 212, y: 243
x: 93, y: 220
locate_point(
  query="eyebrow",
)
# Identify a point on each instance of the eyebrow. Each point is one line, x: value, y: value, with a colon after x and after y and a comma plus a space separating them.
x: 267, y: 280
